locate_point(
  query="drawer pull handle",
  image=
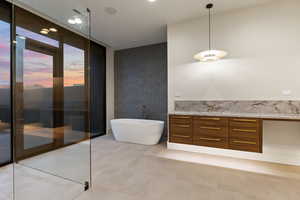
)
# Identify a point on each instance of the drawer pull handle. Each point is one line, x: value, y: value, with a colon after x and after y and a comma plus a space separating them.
x: 183, y: 126
x: 211, y: 139
x: 211, y: 118
x: 180, y: 117
x: 244, y: 130
x: 244, y: 142
x: 210, y: 128
x: 245, y: 120
x: 181, y: 136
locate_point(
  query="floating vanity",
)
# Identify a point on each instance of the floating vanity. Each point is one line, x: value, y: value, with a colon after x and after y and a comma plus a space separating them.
x: 233, y: 126
x: 220, y: 132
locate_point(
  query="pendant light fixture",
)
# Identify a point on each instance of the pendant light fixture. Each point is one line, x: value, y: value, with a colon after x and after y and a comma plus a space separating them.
x: 210, y: 55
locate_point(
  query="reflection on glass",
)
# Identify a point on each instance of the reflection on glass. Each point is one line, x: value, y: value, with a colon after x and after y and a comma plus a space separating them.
x: 74, y: 95
x: 38, y: 99
x: 6, y: 171
x: 35, y: 64
x: 50, y: 109
x: 28, y: 34
x: 5, y: 136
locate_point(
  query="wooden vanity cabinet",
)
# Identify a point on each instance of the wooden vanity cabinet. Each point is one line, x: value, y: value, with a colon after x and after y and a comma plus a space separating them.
x: 219, y: 132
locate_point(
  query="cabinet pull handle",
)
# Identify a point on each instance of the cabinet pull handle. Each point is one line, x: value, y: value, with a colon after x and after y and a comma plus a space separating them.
x: 244, y: 130
x: 181, y: 136
x: 210, y: 128
x: 245, y: 120
x: 211, y: 139
x: 183, y: 126
x: 211, y: 118
x: 244, y: 142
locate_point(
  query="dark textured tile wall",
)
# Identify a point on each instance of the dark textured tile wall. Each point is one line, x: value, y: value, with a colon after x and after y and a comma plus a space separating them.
x: 141, y: 81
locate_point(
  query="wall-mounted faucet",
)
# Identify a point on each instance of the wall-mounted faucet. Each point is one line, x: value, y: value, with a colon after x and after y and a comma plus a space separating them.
x: 144, y: 111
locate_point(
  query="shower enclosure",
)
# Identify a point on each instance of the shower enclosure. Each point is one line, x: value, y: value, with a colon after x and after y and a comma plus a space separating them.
x: 44, y: 102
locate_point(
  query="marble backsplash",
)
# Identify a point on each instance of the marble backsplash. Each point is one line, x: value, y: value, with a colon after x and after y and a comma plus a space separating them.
x: 251, y: 107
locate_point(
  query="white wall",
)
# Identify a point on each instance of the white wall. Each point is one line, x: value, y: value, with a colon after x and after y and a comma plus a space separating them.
x: 264, y: 55
x: 110, y: 97
x: 264, y: 61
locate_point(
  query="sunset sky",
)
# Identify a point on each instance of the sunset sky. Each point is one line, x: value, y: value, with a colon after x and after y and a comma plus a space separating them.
x: 73, y: 66
x: 38, y: 68
x: 4, y: 54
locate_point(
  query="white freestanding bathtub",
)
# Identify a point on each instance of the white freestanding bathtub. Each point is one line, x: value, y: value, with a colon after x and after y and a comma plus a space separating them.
x: 147, y: 132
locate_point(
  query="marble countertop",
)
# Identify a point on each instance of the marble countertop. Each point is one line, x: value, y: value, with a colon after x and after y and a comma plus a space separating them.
x: 247, y: 115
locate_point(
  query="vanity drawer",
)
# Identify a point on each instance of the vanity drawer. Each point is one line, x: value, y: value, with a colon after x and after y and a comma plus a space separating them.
x: 181, y: 129
x: 182, y: 139
x: 180, y: 119
x: 211, y: 121
x: 200, y: 129
x: 245, y: 132
x: 244, y: 123
x: 181, y: 133
x: 245, y: 128
x: 211, y: 141
x: 245, y: 144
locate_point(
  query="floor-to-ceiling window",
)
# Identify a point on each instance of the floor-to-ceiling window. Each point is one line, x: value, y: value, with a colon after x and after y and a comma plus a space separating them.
x: 36, y: 61
x: 37, y: 90
x: 5, y: 63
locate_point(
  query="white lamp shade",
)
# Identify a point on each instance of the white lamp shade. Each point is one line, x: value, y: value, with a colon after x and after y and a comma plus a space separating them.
x: 210, y: 55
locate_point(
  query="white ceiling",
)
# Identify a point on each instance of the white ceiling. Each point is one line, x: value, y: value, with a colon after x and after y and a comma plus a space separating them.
x: 137, y: 22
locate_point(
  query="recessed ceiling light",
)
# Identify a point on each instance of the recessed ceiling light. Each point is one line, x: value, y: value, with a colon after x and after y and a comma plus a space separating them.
x: 44, y: 32
x: 151, y: 0
x: 78, y: 20
x: 53, y: 29
x: 75, y: 20
x: 71, y: 21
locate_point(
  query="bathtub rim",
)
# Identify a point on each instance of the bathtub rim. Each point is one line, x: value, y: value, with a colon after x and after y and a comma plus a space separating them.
x: 146, y: 121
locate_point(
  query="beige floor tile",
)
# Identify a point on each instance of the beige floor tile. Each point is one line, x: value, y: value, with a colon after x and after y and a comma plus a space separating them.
x: 98, y: 193
x: 154, y: 173
x: 123, y: 171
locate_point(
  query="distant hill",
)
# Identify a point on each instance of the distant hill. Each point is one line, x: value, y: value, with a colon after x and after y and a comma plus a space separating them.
x: 4, y: 96
x: 40, y: 97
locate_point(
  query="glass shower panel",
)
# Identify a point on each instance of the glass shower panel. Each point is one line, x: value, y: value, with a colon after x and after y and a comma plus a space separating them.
x: 6, y: 169
x: 74, y: 95
x: 5, y: 117
x: 75, y: 89
x: 51, y: 92
x: 38, y: 99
